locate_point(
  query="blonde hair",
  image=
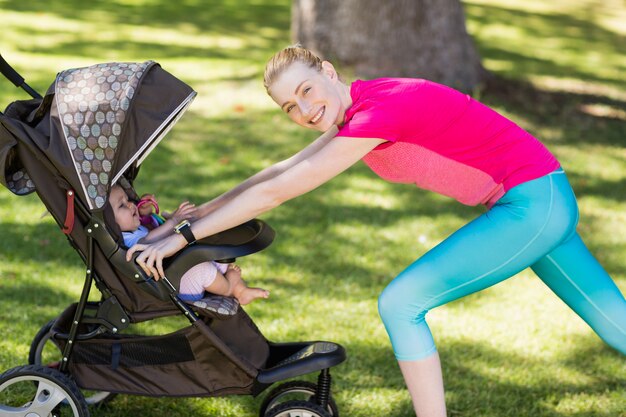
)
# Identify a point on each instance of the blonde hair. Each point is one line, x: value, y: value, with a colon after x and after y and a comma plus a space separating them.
x: 283, y: 60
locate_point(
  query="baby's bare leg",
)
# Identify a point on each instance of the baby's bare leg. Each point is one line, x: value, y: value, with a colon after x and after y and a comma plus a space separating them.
x: 243, y: 293
x: 220, y: 286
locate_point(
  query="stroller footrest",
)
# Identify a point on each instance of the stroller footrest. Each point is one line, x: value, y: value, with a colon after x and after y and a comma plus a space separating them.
x: 216, y: 306
x: 314, y: 356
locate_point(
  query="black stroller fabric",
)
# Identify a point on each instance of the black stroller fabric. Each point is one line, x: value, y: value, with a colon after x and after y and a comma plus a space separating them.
x: 93, y: 128
x: 95, y: 122
x: 44, y: 149
x: 176, y: 364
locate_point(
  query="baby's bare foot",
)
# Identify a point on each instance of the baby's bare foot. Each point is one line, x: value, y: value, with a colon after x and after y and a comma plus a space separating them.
x: 247, y: 295
x: 239, y: 289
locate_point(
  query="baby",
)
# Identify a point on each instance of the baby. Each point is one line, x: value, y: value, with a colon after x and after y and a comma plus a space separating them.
x: 213, y: 277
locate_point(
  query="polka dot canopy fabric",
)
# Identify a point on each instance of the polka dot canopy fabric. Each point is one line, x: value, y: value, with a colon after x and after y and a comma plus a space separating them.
x: 93, y: 127
x: 93, y: 103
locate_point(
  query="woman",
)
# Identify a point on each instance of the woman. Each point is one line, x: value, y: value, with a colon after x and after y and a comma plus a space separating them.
x: 411, y: 130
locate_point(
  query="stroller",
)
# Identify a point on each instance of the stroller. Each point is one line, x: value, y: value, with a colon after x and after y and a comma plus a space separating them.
x: 92, y: 129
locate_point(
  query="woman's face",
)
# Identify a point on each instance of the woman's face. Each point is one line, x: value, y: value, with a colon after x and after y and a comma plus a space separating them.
x: 310, y: 98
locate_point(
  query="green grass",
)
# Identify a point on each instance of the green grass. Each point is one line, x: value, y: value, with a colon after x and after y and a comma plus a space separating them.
x: 512, y: 350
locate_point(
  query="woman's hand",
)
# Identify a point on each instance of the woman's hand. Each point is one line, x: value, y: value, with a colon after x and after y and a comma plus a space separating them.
x: 151, y: 257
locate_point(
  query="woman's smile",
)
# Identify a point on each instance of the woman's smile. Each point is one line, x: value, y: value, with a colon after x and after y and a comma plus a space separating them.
x: 318, y: 116
x: 311, y: 98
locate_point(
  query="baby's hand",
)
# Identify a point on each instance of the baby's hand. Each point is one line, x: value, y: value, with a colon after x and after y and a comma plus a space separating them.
x: 184, y: 212
x: 147, y: 209
x: 195, y: 215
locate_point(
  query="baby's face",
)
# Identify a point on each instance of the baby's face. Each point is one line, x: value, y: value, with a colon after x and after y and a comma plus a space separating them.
x: 126, y: 214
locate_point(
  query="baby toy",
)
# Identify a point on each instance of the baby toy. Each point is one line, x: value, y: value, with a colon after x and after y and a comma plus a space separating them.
x: 149, y: 212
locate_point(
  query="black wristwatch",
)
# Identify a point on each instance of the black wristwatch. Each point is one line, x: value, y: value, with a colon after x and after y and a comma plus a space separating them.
x: 184, y: 228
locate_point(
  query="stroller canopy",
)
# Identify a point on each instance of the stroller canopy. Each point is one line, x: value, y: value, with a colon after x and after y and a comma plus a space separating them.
x: 94, y: 124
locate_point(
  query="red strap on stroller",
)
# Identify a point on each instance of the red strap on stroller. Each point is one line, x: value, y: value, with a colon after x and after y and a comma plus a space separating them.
x: 68, y: 226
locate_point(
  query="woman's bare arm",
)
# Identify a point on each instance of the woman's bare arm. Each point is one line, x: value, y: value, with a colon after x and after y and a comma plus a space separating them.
x: 308, y: 173
x: 266, y: 174
x: 184, y: 211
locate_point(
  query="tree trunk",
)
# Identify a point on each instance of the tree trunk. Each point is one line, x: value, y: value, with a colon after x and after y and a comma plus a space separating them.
x: 391, y: 38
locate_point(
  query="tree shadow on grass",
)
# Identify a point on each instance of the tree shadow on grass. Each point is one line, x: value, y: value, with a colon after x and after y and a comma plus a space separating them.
x: 19, y: 294
x: 560, y: 111
x: 485, y: 381
x: 224, y: 405
x: 27, y: 305
x: 103, y: 31
x: 248, y: 24
x: 40, y: 242
x: 227, y: 17
x: 577, y: 32
x: 140, y: 50
x: 488, y: 382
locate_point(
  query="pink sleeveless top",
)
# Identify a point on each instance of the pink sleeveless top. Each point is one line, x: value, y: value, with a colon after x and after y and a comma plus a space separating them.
x: 443, y: 140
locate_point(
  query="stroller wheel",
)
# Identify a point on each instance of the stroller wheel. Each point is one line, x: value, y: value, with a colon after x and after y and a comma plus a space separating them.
x: 44, y: 352
x: 34, y: 390
x: 295, y: 390
x: 297, y: 409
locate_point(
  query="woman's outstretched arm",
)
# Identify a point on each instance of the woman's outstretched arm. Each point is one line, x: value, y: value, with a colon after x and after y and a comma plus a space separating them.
x: 311, y: 171
x: 266, y: 174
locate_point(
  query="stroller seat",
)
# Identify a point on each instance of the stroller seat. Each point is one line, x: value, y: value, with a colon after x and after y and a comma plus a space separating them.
x: 245, y: 239
x: 224, y: 247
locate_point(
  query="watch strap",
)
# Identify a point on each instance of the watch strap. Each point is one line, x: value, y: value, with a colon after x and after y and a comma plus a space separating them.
x: 185, y: 230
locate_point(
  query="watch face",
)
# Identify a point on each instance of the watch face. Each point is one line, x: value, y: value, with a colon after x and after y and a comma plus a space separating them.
x: 182, y: 225
x: 185, y: 229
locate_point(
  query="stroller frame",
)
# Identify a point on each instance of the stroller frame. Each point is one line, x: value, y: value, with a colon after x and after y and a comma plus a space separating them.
x: 86, y: 323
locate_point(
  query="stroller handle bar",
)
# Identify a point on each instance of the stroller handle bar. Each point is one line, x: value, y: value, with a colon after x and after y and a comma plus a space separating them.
x: 16, y: 78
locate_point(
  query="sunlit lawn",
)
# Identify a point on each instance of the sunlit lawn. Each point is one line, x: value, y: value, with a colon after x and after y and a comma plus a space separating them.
x: 512, y: 350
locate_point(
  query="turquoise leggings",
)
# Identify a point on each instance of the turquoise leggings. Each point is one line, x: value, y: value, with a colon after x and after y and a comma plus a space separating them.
x: 533, y: 224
